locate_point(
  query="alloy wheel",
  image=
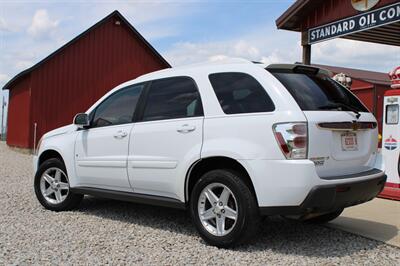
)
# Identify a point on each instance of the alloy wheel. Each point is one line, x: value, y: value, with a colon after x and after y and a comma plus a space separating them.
x: 217, y: 209
x: 54, y: 185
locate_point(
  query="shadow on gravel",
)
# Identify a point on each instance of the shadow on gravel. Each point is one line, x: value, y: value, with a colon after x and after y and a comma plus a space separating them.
x: 276, y: 234
x: 177, y: 221
x: 382, y: 231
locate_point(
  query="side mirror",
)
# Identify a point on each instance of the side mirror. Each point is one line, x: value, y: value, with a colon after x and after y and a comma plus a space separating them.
x: 82, y: 120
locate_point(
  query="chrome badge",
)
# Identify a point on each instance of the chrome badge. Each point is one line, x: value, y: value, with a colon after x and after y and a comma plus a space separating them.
x: 319, y: 161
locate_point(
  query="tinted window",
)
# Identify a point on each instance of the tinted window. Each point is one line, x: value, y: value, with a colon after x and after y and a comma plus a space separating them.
x: 240, y: 93
x: 118, y: 108
x: 172, y: 98
x: 314, y: 93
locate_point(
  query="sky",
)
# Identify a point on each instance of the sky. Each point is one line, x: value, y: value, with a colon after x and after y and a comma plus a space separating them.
x: 183, y: 31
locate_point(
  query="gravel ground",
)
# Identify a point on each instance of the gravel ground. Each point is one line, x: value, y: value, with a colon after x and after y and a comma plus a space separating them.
x: 105, y: 231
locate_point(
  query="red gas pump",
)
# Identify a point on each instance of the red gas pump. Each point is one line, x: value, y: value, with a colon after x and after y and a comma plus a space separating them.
x: 391, y: 137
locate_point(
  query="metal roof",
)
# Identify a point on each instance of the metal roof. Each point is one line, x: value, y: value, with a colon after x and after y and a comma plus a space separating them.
x: 369, y: 76
x: 115, y: 13
x: 301, y: 12
x: 291, y: 18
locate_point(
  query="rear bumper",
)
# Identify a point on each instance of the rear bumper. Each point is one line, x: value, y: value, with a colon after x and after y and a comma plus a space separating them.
x: 288, y: 182
x: 326, y: 198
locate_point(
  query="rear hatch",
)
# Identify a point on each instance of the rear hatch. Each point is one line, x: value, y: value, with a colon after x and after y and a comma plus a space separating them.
x: 342, y: 133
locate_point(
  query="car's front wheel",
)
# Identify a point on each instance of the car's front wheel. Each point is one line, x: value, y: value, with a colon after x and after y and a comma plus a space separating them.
x: 224, y: 209
x: 52, y: 187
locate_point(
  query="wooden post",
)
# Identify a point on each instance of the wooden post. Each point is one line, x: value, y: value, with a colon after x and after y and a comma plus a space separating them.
x: 306, y: 48
x: 3, y: 105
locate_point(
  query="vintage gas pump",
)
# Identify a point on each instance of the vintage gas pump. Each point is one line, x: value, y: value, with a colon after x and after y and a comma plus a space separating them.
x: 391, y: 137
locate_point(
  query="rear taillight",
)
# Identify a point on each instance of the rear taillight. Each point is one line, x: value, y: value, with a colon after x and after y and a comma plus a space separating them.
x: 292, y: 139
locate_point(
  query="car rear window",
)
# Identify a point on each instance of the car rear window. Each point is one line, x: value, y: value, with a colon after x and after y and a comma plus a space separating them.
x: 239, y: 93
x: 316, y: 93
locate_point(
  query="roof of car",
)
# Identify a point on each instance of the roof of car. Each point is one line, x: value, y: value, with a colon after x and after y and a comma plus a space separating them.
x: 219, y: 66
x: 203, y: 66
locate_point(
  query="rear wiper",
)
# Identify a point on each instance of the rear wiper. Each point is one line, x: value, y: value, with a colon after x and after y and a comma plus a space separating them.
x: 341, y: 105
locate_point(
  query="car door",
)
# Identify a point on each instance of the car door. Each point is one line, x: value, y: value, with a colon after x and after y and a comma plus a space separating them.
x: 167, y: 138
x: 101, y: 150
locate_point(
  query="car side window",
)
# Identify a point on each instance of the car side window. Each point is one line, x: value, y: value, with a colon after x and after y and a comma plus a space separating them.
x: 118, y: 108
x: 240, y: 93
x: 170, y: 98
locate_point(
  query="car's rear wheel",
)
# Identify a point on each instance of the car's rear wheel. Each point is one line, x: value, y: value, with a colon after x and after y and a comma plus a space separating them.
x: 224, y: 209
x: 52, y: 187
x: 324, y: 218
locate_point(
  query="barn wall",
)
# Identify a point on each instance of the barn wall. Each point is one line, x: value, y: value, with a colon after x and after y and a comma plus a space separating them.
x: 365, y: 92
x: 75, y: 78
x: 366, y: 95
x: 380, y: 91
x: 18, y: 120
x: 372, y: 96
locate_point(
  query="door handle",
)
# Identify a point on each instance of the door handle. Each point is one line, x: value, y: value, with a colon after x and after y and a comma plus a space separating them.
x: 186, y: 128
x: 120, y: 134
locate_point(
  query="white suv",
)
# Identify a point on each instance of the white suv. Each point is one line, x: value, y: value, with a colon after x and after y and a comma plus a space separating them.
x: 229, y: 142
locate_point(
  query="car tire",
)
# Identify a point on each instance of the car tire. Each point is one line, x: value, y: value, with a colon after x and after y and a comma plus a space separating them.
x: 208, y: 215
x: 325, y: 218
x: 52, y: 187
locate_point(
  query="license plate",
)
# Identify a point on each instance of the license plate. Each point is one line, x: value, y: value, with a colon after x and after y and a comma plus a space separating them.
x: 349, y: 142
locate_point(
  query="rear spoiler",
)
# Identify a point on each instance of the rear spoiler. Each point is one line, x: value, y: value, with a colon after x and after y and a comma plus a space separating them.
x: 298, y: 68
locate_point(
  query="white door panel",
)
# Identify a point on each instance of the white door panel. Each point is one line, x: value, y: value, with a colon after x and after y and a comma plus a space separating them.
x: 152, y: 162
x: 101, y: 157
x: 160, y: 152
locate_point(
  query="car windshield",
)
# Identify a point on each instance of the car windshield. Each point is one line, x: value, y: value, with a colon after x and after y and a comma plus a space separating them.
x: 316, y: 93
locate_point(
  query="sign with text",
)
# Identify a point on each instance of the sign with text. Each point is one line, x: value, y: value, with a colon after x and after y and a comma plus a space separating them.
x: 372, y: 19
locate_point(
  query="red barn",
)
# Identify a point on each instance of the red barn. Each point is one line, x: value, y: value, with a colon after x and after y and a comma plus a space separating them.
x: 71, y: 79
